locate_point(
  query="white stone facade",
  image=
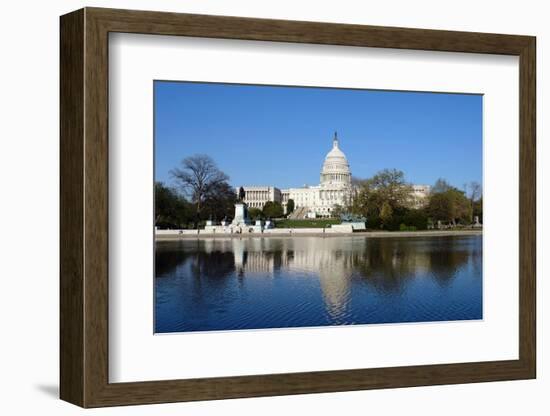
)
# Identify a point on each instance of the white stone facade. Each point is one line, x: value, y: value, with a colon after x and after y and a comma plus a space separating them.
x: 257, y: 196
x: 335, y: 187
x: 419, y: 195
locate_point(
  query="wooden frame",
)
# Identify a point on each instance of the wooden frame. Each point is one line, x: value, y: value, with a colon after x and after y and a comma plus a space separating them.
x: 84, y: 207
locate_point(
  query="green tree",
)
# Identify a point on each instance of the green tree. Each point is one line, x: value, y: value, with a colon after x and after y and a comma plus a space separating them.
x: 387, y: 187
x: 386, y: 214
x: 273, y: 209
x: 449, y: 206
x: 478, y: 209
x: 474, y: 194
x: 440, y: 207
x: 290, y: 206
x: 171, y: 209
x: 391, y: 186
x: 255, y: 214
x: 416, y: 218
x: 464, y: 209
x: 219, y: 203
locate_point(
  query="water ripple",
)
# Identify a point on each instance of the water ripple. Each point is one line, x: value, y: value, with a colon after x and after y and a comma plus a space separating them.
x: 304, y: 282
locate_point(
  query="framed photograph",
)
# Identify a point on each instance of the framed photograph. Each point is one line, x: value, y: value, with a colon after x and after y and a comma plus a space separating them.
x: 255, y: 207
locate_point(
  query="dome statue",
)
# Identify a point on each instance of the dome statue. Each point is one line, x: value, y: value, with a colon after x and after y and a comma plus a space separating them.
x: 336, y: 167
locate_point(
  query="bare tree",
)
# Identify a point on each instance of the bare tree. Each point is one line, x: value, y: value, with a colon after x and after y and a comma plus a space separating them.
x: 474, y: 191
x: 474, y: 195
x: 198, y: 176
x: 440, y: 186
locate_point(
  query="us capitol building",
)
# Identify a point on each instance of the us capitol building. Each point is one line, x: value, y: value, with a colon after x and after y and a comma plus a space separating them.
x: 335, y: 189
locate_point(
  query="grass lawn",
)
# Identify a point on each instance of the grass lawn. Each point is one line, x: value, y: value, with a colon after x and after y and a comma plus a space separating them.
x: 311, y: 223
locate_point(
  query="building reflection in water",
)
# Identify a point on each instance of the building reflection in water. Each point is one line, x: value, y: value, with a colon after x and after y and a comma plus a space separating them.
x: 384, y: 265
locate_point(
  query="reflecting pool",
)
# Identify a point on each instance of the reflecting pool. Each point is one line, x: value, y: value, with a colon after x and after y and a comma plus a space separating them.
x: 280, y: 282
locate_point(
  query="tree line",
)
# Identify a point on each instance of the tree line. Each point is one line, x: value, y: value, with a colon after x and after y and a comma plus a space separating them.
x: 202, y: 191
x: 387, y: 201
x: 271, y: 209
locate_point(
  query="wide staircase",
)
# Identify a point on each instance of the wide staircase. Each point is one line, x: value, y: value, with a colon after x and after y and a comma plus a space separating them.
x: 298, y: 214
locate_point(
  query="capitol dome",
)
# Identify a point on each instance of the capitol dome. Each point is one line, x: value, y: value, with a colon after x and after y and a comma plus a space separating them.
x: 336, y: 167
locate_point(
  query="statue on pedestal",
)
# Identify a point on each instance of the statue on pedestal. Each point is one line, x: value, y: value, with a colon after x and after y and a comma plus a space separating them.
x: 241, y: 210
x: 241, y: 195
x: 476, y: 223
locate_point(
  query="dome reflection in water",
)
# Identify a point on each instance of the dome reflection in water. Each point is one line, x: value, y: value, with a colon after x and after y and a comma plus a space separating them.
x: 281, y: 282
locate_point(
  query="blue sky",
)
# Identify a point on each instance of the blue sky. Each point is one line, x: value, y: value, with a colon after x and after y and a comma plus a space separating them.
x: 279, y: 136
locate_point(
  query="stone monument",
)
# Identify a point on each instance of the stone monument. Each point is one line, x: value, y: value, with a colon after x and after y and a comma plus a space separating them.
x: 357, y: 222
x: 241, y: 210
x: 241, y: 214
x: 476, y: 223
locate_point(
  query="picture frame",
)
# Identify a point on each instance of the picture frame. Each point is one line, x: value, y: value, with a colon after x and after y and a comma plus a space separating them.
x: 84, y: 215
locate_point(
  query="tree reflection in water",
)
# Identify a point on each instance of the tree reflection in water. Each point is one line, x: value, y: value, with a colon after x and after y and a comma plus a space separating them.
x: 309, y: 281
x: 388, y: 263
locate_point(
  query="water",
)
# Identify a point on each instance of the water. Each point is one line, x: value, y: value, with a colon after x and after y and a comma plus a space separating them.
x: 252, y: 283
